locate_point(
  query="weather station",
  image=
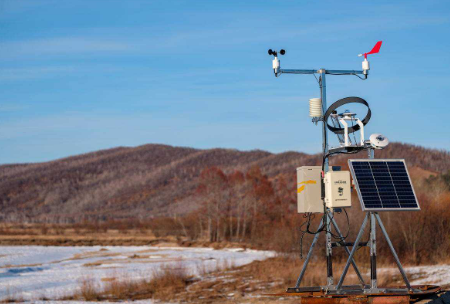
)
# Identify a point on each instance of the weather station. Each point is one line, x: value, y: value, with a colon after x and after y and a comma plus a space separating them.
x: 382, y: 185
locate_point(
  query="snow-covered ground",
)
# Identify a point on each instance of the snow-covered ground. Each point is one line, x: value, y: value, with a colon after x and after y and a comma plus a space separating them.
x: 421, y: 275
x: 32, y: 272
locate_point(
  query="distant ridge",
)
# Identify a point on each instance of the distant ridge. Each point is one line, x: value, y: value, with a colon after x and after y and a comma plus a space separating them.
x: 147, y: 181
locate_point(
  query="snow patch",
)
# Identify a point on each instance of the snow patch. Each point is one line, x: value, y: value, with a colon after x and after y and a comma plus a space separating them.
x: 32, y: 272
x: 428, y: 274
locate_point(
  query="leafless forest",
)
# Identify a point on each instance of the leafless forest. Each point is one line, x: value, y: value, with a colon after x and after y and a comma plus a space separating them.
x: 215, y: 195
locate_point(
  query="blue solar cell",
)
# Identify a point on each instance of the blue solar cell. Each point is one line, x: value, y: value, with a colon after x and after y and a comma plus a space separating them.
x: 383, y: 184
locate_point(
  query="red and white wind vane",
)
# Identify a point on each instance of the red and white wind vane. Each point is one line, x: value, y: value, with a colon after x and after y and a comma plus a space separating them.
x: 375, y: 50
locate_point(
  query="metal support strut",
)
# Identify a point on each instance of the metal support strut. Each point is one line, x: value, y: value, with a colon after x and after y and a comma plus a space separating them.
x: 355, y: 267
x: 394, y: 253
x: 352, y: 253
x: 311, y: 249
x: 308, y: 257
x: 373, y: 255
x: 329, y: 251
x: 374, y: 217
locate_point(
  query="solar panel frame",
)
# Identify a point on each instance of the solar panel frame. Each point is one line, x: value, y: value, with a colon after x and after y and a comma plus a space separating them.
x: 390, y: 200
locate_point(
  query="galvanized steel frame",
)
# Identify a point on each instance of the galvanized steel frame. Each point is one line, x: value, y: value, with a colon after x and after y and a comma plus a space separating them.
x: 330, y: 288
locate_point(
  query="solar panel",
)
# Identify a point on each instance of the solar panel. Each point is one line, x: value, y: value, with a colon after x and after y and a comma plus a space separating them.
x: 383, y: 184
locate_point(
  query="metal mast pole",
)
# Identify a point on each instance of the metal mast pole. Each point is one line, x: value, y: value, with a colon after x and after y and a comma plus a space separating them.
x: 328, y: 248
x: 323, y: 96
x: 373, y: 254
x: 373, y: 244
x: 328, y: 213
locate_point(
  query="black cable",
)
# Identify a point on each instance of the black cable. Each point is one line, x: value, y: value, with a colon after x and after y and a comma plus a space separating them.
x: 307, y: 230
x: 338, y: 74
x: 339, y: 238
x: 354, y: 74
x: 310, y: 217
x: 324, y: 226
x: 303, y: 234
x: 319, y: 230
x: 316, y: 78
x: 342, y: 238
x: 362, y: 78
x: 339, y: 152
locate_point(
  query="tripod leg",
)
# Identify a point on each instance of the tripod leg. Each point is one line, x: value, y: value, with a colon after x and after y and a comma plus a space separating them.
x: 348, y: 252
x: 308, y: 257
x: 394, y: 253
x: 373, y: 253
x: 329, y: 251
x: 352, y: 253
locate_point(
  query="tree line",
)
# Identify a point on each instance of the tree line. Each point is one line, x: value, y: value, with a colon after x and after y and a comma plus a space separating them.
x: 251, y: 208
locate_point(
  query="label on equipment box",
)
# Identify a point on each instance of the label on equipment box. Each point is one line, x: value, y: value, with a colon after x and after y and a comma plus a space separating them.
x: 337, y: 189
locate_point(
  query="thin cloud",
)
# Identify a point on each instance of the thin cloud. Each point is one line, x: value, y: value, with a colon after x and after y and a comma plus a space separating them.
x: 242, y: 33
x: 12, y: 107
x: 61, y: 46
x: 16, y: 74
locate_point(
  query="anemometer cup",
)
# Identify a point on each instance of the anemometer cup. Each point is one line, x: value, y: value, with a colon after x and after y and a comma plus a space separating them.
x: 275, y: 53
x: 342, y: 102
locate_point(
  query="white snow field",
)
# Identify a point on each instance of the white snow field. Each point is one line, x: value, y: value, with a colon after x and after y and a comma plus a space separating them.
x: 32, y: 272
x: 423, y: 275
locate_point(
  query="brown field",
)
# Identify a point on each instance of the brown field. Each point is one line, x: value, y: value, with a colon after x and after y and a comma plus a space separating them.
x: 252, y: 283
x: 67, y: 235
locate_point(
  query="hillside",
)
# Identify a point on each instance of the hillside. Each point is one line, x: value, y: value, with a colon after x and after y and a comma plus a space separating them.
x: 150, y: 180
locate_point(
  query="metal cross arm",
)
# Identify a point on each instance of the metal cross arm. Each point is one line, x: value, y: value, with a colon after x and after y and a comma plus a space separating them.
x: 279, y: 71
x: 290, y: 71
x: 365, y: 65
x: 344, y: 72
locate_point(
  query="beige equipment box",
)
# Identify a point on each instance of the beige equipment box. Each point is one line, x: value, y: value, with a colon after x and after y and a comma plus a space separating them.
x: 337, y: 189
x: 308, y: 189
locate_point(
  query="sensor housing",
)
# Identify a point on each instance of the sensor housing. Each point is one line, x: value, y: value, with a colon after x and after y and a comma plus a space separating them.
x: 337, y: 189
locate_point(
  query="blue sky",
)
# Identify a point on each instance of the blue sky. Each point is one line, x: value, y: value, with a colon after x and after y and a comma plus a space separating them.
x: 78, y: 76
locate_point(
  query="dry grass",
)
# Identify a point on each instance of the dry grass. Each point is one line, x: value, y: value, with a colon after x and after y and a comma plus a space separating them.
x: 249, y: 283
x: 70, y: 235
x: 165, y: 284
x: 286, y: 269
x: 12, y: 297
x: 89, y: 290
x: 225, y: 283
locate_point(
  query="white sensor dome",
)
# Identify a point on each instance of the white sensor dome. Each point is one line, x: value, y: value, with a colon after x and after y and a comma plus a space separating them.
x: 378, y: 141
